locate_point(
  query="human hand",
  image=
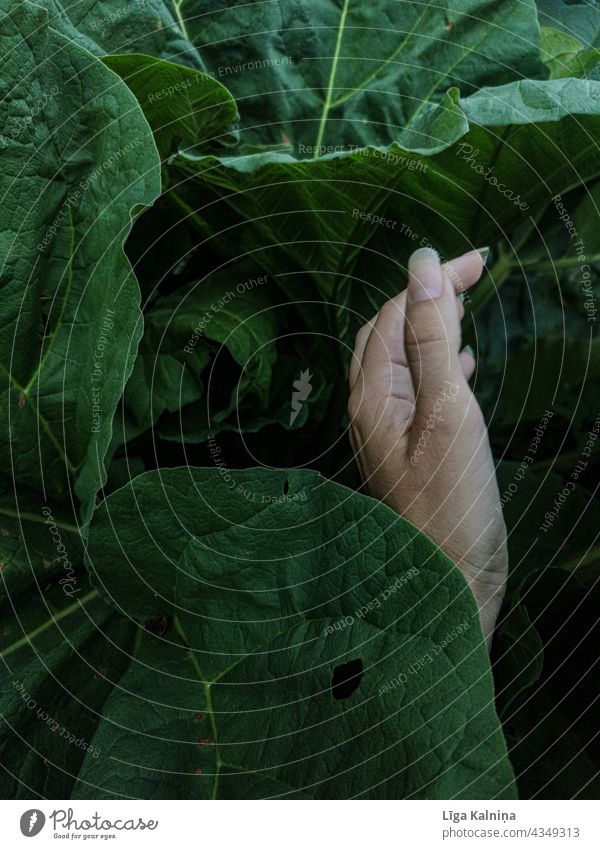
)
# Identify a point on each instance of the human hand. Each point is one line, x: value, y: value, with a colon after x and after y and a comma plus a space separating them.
x: 417, y: 431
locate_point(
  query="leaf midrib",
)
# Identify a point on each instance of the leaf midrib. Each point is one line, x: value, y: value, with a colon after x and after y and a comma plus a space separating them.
x: 332, y: 104
x: 374, y: 74
x: 332, y: 75
x: 26, y: 639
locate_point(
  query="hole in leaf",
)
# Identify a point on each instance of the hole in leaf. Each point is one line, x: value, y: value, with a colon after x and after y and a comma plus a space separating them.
x: 346, y: 679
x: 286, y: 487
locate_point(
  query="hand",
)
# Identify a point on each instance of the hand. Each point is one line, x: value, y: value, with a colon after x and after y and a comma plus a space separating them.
x: 417, y: 431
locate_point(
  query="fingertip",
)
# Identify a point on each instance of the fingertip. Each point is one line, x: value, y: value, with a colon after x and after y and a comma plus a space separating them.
x: 425, y: 276
x: 465, y: 270
x: 476, y: 261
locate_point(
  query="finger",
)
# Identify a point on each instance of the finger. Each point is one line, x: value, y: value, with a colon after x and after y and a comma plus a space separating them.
x: 432, y: 332
x: 466, y: 270
x: 384, y: 356
x: 383, y: 391
x: 463, y: 272
x: 360, y: 344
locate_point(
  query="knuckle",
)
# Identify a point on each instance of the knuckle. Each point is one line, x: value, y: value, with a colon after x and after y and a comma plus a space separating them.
x: 428, y: 336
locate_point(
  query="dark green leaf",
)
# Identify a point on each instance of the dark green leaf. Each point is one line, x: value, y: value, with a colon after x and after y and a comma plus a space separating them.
x: 527, y: 142
x: 324, y: 666
x: 137, y: 26
x: 184, y: 107
x: 70, y: 307
x: 565, y: 55
x: 312, y: 74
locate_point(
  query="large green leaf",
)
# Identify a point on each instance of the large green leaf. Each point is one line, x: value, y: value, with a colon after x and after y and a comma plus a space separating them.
x: 318, y: 646
x: 580, y: 20
x: 114, y: 26
x: 511, y: 149
x: 61, y: 647
x: 70, y: 305
x: 565, y: 56
x: 38, y: 545
x: 55, y: 677
x: 311, y: 73
x: 183, y: 106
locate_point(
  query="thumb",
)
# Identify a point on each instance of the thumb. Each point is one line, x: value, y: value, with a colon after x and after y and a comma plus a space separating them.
x: 432, y: 331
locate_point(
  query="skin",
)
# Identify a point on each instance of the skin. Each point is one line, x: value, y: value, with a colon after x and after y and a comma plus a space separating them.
x: 417, y: 431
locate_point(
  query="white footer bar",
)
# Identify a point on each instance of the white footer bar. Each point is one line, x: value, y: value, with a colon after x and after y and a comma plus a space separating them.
x: 301, y: 825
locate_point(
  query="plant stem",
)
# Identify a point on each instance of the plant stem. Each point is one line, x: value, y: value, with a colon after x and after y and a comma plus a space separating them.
x: 502, y: 269
x: 550, y: 265
x: 198, y: 222
x: 40, y: 520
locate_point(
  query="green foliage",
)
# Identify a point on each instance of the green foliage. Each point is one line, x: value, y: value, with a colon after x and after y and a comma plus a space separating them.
x: 114, y: 27
x: 304, y: 611
x: 318, y: 80
x: 565, y: 55
x: 161, y: 607
x: 70, y: 305
x: 184, y: 107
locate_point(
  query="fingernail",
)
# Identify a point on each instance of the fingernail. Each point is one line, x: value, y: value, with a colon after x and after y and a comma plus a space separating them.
x: 483, y: 253
x: 468, y: 350
x: 424, y: 276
